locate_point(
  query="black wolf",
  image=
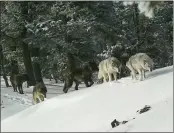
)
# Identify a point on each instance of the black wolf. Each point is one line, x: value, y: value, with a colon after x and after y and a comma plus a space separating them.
x: 17, y: 81
x: 79, y: 75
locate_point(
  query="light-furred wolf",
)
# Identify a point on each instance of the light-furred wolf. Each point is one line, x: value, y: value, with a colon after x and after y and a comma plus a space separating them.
x: 39, y: 92
x: 108, y: 67
x: 140, y: 63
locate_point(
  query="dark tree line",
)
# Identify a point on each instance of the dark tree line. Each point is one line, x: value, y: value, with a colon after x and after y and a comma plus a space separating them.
x: 36, y: 37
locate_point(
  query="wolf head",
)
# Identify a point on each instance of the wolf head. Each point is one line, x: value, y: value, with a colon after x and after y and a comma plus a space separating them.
x: 148, y: 65
x: 116, y: 66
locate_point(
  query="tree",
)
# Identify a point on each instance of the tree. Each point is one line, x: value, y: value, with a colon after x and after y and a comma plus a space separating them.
x: 2, y: 67
x: 13, y: 25
x: 45, y: 32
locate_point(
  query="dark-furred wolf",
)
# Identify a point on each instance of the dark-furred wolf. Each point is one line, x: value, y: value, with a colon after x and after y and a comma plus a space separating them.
x: 17, y: 81
x: 78, y: 75
x: 140, y: 63
x: 108, y: 67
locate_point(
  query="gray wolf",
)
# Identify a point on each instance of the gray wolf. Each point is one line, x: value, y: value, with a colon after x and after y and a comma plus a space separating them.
x: 39, y: 92
x: 108, y: 67
x: 140, y: 63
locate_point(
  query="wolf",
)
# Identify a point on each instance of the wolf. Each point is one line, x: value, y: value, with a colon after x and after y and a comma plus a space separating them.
x: 53, y: 73
x: 140, y: 63
x: 108, y: 67
x: 78, y: 75
x: 17, y: 81
x: 53, y: 76
x: 39, y: 92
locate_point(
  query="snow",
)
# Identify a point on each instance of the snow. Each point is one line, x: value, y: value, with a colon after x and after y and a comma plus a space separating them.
x: 94, y: 108
x: 143, y: 6
x: 45, y: 28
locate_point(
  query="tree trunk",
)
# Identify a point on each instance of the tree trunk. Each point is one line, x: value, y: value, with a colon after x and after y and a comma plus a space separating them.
x: 14, y: 67
x: 6, y: 80
x: 71, y: 65
x: 2, y: 67
x: 35, y: 52
x: 137, y: 26
x: 37, y: 72
x: 26, y: 52
x: 28, y: 64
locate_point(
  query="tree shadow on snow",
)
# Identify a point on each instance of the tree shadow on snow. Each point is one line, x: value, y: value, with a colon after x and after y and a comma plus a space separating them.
x: 54, y: 85
x: 47, y: 92
x: 58, y: 85
x: 156, y: 73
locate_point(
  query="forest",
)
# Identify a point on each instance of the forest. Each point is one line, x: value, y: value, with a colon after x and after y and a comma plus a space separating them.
x: 37, y: 37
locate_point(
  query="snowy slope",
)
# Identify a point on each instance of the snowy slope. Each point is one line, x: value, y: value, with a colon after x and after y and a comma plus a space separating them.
x: 94, y: 108
x: 13, y: 102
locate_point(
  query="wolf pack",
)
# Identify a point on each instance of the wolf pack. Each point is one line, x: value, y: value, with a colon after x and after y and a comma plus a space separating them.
x: 107, y: 70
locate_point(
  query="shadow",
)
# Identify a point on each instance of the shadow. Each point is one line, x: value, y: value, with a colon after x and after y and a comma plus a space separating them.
x: 58, y: 93
x: 156, y: 73
x: 63, y: 85
x: 47, y: 92
x: 54, y: 85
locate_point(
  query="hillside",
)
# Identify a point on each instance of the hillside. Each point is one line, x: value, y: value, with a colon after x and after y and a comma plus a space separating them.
x: 94, y: 108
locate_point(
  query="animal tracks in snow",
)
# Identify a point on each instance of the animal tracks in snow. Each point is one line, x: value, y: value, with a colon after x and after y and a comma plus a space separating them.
x: 24, y: 101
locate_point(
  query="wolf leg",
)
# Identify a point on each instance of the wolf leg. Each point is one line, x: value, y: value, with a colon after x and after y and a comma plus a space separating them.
x: 140, y: 74
x: 91, y: 82
x: 65, y: 88
x: 14, y: 87
x: 133, y: 75
x: 115, y: 76
x: 18, y: 89
x: 104, y: 78
x: 110, y: 77
x: 77, y: 84
x: 68, y: 83
x: 37, y: 100
x: 21, y: 89
x: 41, y: 97
x: 143, y: 72
x: 89, y: 79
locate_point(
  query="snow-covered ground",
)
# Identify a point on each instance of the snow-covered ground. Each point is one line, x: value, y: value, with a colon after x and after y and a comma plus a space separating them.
x: 94, y: 108
x: 13, y: 102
